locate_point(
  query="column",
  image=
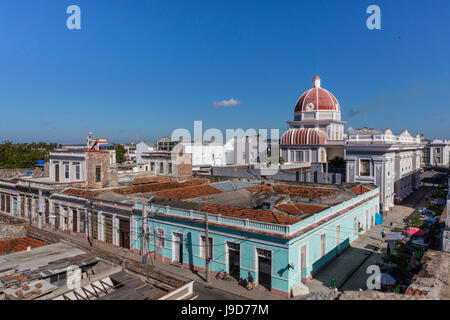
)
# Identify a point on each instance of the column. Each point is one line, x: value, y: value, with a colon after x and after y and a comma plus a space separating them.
x: 132, y: 231
x: 87, y: 224
x: 100, y: 226
x: 19, y: 204
x: 26, y: 206
x: 114, y: 229
x: 69, y: 219
x: 41, y: 216
x: 51, y: 212
x: 34, y: 217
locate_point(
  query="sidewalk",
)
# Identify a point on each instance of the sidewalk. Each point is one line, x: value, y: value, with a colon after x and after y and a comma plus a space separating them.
x: 230, y: 286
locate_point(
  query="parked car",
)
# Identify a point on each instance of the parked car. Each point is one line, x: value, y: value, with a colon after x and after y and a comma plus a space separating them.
x: 425, y: 210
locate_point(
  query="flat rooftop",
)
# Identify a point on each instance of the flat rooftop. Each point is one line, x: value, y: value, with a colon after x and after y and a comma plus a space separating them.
x: 38, y: 257
x: 279, y: 203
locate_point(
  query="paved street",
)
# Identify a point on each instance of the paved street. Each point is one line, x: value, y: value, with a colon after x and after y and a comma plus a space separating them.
x: 350, y: 269
x: 210, y: 293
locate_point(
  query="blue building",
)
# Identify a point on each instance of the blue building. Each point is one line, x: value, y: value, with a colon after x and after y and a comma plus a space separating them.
x: 285, y: 239
x: 280, y: 234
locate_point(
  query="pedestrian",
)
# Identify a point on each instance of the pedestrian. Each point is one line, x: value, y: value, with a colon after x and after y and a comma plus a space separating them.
x: 382, y: 233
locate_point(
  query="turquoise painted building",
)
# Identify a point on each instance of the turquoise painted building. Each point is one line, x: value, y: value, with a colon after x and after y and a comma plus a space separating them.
x: 277, y: 256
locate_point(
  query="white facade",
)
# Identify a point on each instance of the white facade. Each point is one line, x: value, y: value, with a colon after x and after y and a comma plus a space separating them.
x: 206, y: 154
x: 436, y: 153
x: 142, y: 147
x: 67, y: 166
x: 389, y: 161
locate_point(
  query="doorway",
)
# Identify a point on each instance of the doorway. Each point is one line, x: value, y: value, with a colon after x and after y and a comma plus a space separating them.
x: 108, y: 229
x: 57, y: 217
x: 177, y: 247
x: 74, y: 221
x: 234, y: 260
x: 265, y: 268
x: 124, y: 231
x: 47, y: 212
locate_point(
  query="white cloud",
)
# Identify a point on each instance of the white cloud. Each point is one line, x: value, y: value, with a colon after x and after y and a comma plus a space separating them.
x: 226, y: 103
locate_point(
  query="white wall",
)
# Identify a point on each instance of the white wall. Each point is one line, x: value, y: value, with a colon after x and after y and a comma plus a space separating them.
x: 206, y: 155
x: 141, y: 147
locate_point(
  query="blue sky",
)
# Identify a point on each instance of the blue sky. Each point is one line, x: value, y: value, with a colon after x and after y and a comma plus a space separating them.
x: 140, y: 69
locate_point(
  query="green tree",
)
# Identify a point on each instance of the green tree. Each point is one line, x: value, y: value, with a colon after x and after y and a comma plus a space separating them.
x: 400, y: 258
x: 416, y: 222
x: 120, y: 153
x: 337, y: 162
x: 23, y: 155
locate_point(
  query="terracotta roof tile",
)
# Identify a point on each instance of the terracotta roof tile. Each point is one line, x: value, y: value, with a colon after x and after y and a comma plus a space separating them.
x: 302, y: 191
x: 311, y: 192
x: 151, y: 179
x: 154, y: 187
x: 19, y: 244
x: 360, y: 189
x: 81, y: 193
x: 260, y: 188
x: 188, y: 192
x: 251, y: 214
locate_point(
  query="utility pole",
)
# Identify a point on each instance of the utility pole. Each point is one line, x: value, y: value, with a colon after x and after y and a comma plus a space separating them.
x: 143, y: 234
x: 207, y: 257
x: 91, y: 225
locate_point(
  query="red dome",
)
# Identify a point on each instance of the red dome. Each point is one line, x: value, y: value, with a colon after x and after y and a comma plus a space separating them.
x: 304, y: 136
x: 317, y: 99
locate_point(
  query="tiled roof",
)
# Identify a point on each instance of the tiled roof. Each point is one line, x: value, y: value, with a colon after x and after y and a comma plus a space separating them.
x: 318, y: 99
x: 251, y: 214
x: 80, y: 192
x: 302, y: 191
x: 300, y: 208
x: 19, y: 244
x: 304, y: 136
x: 151, y: 179
x: 188, y: 192
x: 260, y: 188
x: 210, y: 208
x: 417, y: 292
x: 154, y: 187
x: 310, y: 192
x: 360, y: 189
